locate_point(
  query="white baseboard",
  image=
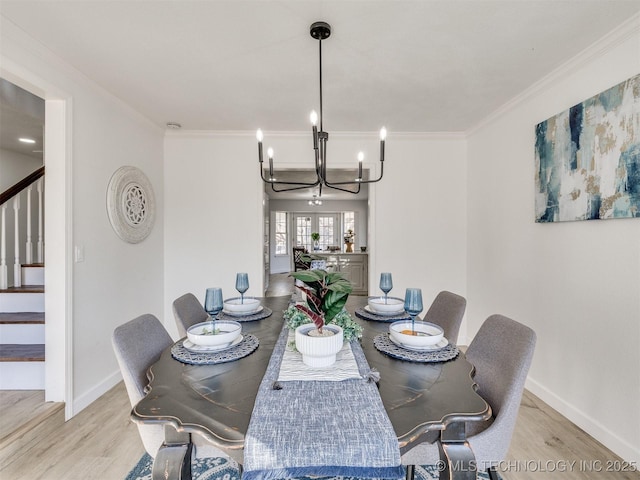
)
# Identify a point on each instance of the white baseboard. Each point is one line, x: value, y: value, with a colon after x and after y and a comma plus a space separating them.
x: 594, y: 428
x: 83, y: 401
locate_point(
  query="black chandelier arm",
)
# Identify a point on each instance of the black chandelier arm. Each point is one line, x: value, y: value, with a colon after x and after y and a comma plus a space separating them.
x: 332, y: 186
x: 301, y: 185
x: 289, y: 189
x: 358, y: 181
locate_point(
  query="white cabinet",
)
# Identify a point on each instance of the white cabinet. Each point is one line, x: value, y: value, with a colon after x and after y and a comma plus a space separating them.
x: 354, y: 267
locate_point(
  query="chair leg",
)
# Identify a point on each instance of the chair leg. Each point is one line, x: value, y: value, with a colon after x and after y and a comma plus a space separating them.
x: 493, y: 475
x: 410, y: 472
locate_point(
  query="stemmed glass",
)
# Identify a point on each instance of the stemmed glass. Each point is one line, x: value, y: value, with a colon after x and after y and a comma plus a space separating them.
x: 413, y: 304
x: 386, y: 284
x: 213, y: 303
x: 242, y: 284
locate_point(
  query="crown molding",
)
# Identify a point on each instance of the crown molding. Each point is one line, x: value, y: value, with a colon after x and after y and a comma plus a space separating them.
x: 597, y: 49
x: 252, y: 134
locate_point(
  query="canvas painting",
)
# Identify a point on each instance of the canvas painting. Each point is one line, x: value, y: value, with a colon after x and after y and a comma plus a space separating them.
x: 588, y: 158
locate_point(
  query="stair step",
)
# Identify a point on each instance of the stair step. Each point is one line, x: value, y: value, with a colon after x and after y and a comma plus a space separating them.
x: 28, y: 318
x: 28, y: 298
x: 24, y: 289
x: 15, y: 352
x: 33, y: 274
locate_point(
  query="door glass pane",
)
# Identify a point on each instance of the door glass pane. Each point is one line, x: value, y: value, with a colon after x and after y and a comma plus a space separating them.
x: 326, y: 228
x: 303, y: 232
x: 281, y: 233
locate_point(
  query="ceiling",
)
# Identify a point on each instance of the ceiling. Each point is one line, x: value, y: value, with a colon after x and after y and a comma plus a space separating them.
x: 21, y: 116
x: 412, y: 66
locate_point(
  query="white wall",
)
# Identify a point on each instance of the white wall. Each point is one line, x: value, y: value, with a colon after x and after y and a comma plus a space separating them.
x: 14, y: 167
x: 213, y: 216
x: 213, y: 191
x: 577, y: 284
x: 117, y: 281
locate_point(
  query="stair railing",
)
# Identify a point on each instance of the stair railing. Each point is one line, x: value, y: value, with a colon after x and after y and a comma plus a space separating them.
x: 12, y: 195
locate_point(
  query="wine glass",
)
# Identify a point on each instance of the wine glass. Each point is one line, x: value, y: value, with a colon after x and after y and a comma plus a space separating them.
x: 213, y: 302
x: 413, y: 304
x: 242, y: 284
x: 386, y: 284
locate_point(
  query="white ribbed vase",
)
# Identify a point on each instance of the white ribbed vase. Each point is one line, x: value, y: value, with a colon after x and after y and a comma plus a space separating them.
x: 319, y: 351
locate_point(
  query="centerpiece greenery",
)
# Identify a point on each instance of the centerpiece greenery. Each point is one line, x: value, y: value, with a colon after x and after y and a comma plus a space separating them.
x: 327, y: 295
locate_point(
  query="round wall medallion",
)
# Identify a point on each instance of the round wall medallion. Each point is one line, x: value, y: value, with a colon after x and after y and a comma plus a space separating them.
x: 131, y: 204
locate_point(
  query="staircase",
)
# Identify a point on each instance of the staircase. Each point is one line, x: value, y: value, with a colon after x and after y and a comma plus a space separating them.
x: 22, y: 336
x: 22, y: 329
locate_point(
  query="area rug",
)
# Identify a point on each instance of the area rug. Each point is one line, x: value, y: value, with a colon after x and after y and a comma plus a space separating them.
x: 216, y: 468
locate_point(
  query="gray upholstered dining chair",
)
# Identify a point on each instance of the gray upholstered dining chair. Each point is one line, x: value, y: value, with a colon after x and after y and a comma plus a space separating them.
x: 188, y: 311
x: 501, y: 352
x: 447, y: 311
x: 137, y: 345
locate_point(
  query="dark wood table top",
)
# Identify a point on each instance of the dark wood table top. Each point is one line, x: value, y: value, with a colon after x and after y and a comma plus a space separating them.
x: 217, y: 400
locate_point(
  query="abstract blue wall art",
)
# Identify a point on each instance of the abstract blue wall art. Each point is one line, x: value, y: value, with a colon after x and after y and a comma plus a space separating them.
x: 588, y: 158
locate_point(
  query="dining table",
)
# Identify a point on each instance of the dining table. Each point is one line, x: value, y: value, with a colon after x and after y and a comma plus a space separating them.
x: 424, y: 402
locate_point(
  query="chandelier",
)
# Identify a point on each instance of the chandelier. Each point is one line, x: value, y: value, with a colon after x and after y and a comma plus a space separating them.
x: 320, y: 31
x: 316, y: 202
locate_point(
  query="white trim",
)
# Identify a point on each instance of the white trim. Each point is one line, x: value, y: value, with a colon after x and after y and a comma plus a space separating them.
x: 98, y: 390
x: 58, y: 280
x: 594, y: 428
x: 586, y: 56
x: 301, y: 134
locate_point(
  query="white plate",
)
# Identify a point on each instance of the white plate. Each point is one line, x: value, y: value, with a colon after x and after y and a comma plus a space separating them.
x: 207, y: 348
x: 243, y: 314
x: 384, y: 314
x: 427, y: 348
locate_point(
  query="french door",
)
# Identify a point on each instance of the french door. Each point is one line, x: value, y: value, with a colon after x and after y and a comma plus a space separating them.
x: 326, y: 224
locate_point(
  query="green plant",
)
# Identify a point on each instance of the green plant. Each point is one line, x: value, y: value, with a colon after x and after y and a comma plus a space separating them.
x: 315, y: 236
x: 326, y: 293
x: 351, y: 329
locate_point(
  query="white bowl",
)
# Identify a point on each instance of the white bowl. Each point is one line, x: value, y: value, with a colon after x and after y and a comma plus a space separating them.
x: 428, y: 333
x: 228, y: 331
x: 393, y: 305
x: 233, y: 305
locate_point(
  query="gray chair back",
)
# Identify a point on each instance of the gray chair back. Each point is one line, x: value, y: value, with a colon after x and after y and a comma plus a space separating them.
x: 137, y: 345
x: 447, y: 311
x: 502, y: 352
x: 188, y: 311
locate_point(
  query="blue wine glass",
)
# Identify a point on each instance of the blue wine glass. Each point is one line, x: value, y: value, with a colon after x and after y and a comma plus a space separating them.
x: 242, y: 284
x: 413, y: 304
x: 213, y: 302
x: 386, y: 284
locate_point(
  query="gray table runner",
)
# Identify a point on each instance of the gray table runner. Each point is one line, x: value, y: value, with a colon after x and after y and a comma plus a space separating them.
x: 319, y: 428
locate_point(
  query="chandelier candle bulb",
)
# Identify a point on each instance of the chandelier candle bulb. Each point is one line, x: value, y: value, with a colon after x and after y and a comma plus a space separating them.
x: 383, y: 136
x: 270, y: 155
x: 259, y: 136
x: 360, y: 159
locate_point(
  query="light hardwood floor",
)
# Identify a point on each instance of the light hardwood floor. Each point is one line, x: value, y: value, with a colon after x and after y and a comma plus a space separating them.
x: 101, y: 443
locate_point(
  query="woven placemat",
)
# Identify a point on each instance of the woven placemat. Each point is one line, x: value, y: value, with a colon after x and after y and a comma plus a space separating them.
x: 264, y: 313
x: 367, y: 315
x: 248, y: 344
x: 383, y: 343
